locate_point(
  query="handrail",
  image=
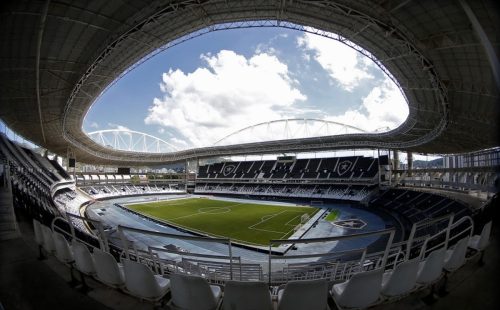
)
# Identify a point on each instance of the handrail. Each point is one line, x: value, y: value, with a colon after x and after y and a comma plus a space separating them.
x: 390, y: 231
x: 447, y: 231
x: 103, y: 241
x: 230, y: 258
x: 120, y: 229
x: 426, y: 222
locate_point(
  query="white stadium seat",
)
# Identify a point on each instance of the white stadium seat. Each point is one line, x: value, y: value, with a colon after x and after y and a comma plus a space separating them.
x: 108, y: 271
x: 193, y: 293
x: 360, y: 291
x: 480, y: 242
x: 304, y: 295
x: 246, y: 296
x: 84, y: 261
x: 431, y: 268
x: 48, y: 242
x: 37, y: 229
x: 142, y: 283
x: 63, y: 252
x: 401, y: 280
x: 455, y: 257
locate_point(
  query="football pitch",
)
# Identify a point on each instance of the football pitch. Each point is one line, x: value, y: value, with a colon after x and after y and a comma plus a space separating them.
x: 249, y: 223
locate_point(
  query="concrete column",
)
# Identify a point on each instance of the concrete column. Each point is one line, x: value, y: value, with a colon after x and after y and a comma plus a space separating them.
x: 410, y: 163
x: 395, y: 159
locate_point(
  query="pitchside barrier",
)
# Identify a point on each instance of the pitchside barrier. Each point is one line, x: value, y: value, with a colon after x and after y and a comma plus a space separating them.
x: 316, y: 202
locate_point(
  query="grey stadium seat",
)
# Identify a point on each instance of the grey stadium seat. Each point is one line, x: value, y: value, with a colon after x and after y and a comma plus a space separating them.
x: 141, y: 282
x: 193, y: 293
x: 304, y: 295
x: 246, y: 296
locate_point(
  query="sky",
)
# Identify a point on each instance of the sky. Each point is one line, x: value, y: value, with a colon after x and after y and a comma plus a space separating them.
x: 202, y: 90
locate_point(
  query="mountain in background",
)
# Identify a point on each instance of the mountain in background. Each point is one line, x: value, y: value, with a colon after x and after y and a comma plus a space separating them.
x: 435, y: 163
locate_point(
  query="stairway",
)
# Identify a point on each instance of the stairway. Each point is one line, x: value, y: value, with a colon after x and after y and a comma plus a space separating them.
x: 8, y: 224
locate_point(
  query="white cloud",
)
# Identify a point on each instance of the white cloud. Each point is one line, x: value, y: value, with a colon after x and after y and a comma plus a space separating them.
x: 344, y: 64
x: 118, y: 127
x: 230, y: 93
x: 94, y: 125
x: 161, y: 130
x: 383, y: 107
x: 179, y: 143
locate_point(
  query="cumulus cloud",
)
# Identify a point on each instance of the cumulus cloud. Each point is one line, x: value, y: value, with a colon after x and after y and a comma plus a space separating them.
x: 118, y: 127
x: 344, y: 65
x: 383, y: 108
x: 229, y: 93
x: 94, y: 125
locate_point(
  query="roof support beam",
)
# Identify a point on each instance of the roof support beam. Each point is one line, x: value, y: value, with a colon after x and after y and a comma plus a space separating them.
x: 488, y: 47
x: 41, y: 27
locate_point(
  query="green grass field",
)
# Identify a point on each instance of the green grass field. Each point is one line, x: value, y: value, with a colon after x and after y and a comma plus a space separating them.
x: 244, y: 222
x: 333, y: 215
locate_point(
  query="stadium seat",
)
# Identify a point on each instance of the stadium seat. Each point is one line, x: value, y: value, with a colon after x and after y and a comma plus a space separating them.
x: 401, y: 280
x: 193, y: 293
x: 246, y: 296
x: 84, y: 261
x: 431, y: 268
x: 38, y: 237
x: 304, y: 295
x: 480, y: 242
x: 360, y: 291
x: 455, y: 257
x: 142, y: 283
x: 63, y: 251
x: 48, y: 241
x: 108, y: 271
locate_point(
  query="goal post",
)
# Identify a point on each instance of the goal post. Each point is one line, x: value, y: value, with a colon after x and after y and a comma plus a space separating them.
x: 304, y: 218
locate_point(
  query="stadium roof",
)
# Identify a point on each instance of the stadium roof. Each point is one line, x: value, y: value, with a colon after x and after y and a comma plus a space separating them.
x: 58, y: 56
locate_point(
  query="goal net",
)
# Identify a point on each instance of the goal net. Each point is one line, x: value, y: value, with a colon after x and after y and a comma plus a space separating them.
x: 304, y: 218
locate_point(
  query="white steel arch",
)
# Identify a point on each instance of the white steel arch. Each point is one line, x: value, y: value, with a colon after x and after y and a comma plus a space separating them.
x: 284, y: 129
x: 131, y: 141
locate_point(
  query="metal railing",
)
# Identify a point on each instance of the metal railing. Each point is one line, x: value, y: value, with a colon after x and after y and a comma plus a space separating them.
x: 385, y: 254
x: 126, y: 243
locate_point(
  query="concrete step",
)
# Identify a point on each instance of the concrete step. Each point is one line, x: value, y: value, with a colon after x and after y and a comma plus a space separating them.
x: 8, y: 226
x: 9, y: 235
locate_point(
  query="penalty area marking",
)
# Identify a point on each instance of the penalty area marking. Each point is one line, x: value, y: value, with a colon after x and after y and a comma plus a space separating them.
x: 214, y: 210
x: 264, y: 219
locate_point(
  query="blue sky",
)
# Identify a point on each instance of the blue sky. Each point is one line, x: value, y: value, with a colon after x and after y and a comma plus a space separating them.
x: 197, y: 92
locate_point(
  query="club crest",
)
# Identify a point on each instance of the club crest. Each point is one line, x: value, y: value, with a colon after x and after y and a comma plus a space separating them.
x: 344, y: 166
x: 350, y: 224
x: 228, y: 169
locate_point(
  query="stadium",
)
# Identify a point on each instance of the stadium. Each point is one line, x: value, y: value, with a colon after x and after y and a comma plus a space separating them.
x: 266, y: 217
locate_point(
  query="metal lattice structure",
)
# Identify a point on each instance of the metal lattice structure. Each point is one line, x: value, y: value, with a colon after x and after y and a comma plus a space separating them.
x: 286, y: 129
x: 131, y: 141
x: 58, y: 57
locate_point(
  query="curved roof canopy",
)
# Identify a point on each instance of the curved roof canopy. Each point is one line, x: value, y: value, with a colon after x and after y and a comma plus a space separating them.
x: 57, y: 57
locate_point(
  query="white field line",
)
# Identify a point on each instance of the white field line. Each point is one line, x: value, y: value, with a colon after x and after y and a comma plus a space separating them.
x: 288, y: 223
x: 158, y: 201
x: 267, y: 219
x: 199, y: 213
x: 284, y: 236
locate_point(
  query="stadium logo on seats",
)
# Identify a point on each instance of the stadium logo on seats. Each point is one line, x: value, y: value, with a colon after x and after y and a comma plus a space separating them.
x: 228, y: 169
x: 351, y: 223
x: 344, y: 166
